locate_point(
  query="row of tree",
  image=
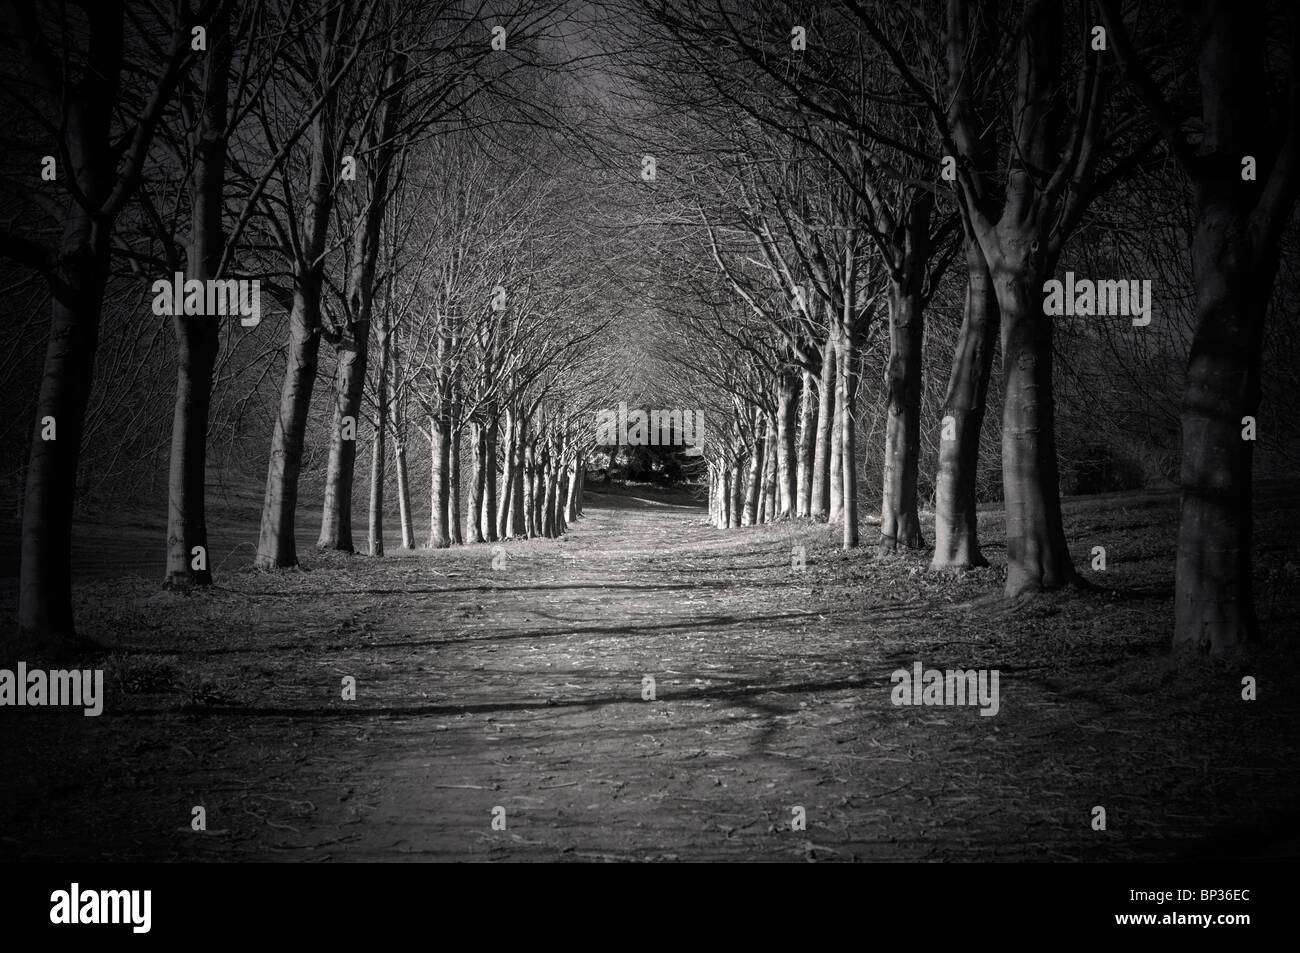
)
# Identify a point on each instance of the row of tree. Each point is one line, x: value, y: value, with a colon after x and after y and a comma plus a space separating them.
x: 374, y: 166
x: 790, y: 213
x: 836, y: 163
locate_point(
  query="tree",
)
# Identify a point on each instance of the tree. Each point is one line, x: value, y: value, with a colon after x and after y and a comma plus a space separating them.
x: 1245, y: 174
x: 76, y: 70
x: 331, y: 49
x: 1060, y: 156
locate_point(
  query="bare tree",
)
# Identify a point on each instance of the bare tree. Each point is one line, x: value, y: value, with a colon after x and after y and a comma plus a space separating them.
x: 1245, y: 172
x: 79, y: 91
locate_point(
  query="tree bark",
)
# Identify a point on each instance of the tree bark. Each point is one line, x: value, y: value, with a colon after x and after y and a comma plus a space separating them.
x: 349, y: 383
x: 474, y: 518
x: 769, y: 504
x: 753, y: 484
x: 787, y: 397
x: 807, y: 425
x: 376, y: 520
x: 353, y: 342
x: 1235, y: 256
x: 1037, y: 554
x: 582, y: 482
x: 530, y: 488
x: 487, y: 518
x: 76, y: 280
x: 517, y: 519
x: 45, y: 583
x: 1214, y: 603
x: 198, y: 336
x: 453, y: 487
x: 836, y: 512
x: 1021, y: 250
x: 508, y: 477
x: 846, y: 389
x: 724, y: 488
x: 377, y: 457
x: 561, y: 495
x: 403, y: 490
x: 571, y: 498
x: 440, y: 481
x: 900, y: 522
x: 715, y: 495
x: 821, y: 486
x: 276, y: 543
x: 548, y: 497
x: 956, y: 525
x: 737, y: 486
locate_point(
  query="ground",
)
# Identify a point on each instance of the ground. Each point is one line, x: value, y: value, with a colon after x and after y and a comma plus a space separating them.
x: 521, y: 686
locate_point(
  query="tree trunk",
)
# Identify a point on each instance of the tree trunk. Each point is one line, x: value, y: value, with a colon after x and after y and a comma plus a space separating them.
x: 403, y: 491
x: 1037, y: 555
x: 276, y: 543
x: 188, y: 559
x: 488, y: 522
x: 548, y: 498
x: 45, y: 584
x: 102, y: 172
x: 1235, y: 256
x: 453, y: 487
x: 349, y: 381
x: 715, y: 495
x: 1021, y: 251
x: 807, y: 424
x: 530, y: 488
x: 353, y: 343
x: 1214, y: 602
x: 473, y: 518
x: 508, y: 477
x: 956, y: 525
x: 753, y: 485
x: 517, y: 520
x: 561, y: 496
x: 737, y: 484
x: 539, y: 491
x: 582, y: 482
x: 377, y: 458
x: 724, y: 495
x: 787, y: 398
x: 821, y: 484
x: 198, y: 336
x: 376, y: 521
x: 837, y: 445
x: 571, y: 497
x: 846, y: 389
x: 440, y: 480
x: 900, y: 523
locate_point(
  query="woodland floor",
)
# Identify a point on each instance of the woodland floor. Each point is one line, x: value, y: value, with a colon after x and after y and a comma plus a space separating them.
x: 520, y: 687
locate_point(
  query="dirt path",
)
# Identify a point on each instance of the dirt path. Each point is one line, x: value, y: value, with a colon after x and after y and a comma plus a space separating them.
x: 521, y: 687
